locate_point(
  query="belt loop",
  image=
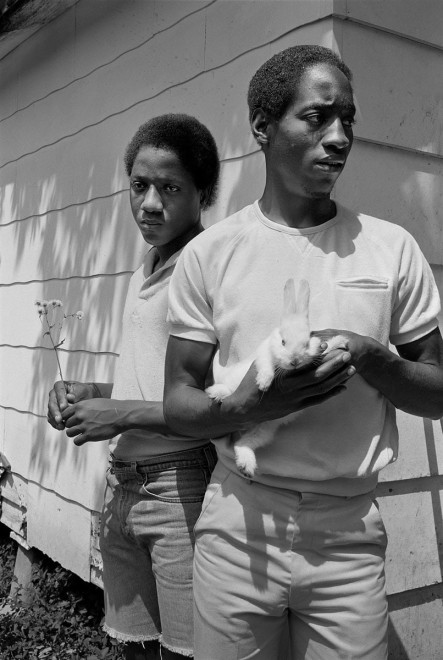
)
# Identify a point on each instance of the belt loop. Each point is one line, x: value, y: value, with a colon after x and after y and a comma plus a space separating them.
x: 210, y: 455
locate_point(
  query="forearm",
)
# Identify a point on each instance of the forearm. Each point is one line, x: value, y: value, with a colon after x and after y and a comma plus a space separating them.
x: 414, y: 387
x: 96, y: 419
x: 190, y: 411
x: 142, y: 415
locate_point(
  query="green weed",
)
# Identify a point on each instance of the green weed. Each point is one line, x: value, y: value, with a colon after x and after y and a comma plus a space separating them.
x: 63, y: 619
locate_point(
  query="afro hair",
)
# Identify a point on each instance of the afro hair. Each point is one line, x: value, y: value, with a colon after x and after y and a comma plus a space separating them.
x: 192, y: 143
x: 272, y: 86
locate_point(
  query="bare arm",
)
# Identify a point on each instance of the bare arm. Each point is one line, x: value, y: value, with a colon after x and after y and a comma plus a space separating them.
x: 101, y: 419
x: 188, y: 409
x: 412, y: 381
x: 88, y: 414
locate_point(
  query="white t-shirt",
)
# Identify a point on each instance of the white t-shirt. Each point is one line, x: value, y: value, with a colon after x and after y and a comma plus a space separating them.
x: 366, y: 275
x: 140, y: 368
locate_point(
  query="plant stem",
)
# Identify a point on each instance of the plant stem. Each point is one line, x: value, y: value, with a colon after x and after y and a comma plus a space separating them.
x: 56, y: 354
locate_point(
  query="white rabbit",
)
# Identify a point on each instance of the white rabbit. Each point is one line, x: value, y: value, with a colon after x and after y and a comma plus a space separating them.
x: 288, y: 347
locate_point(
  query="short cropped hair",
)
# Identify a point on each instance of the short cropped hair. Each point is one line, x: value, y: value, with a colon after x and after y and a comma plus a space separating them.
x: 192, y: 143
x: 272, y: 87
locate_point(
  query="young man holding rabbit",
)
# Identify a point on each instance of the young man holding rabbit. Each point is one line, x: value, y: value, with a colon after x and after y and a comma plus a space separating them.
x: 299, y: 549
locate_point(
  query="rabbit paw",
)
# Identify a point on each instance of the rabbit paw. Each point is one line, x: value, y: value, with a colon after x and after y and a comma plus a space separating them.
x: 264, y: 380
x: 314, y: 346
x: 337, y: 342
x: 245, y: 461
x: 218, y: 392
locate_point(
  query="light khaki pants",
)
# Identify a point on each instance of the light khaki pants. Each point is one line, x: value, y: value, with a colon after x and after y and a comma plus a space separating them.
x: 281, y: 574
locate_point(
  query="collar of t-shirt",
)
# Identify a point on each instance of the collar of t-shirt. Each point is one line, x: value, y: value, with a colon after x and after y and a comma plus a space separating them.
x: 152, y: 277
x: 302, y: 231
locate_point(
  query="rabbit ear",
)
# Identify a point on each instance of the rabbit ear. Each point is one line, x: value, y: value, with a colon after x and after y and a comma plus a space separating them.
x: 289, y: 297
x: 302, y: 298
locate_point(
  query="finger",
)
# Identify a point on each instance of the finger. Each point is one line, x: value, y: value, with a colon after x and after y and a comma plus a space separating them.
x: 73, y: 431
x: 67, y: 415
x: 331, y: 355
x: 336, y: 361
x: 58, y: 426
x: 60, y: 395
x: 324, y: 387
x: 80, y: 440
x: 54, y: 413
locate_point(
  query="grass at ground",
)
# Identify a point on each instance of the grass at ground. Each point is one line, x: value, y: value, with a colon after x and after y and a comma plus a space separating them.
x: 63, y: 619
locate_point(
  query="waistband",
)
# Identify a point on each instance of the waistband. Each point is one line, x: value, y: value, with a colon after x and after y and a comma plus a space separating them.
x: 205, y: 456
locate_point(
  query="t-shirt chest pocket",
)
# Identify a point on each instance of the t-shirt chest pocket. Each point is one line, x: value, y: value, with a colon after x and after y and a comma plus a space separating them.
x: 364, y: 306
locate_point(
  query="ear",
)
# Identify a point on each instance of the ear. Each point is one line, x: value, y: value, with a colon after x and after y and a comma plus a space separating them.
x: 302, y: 298
x: 289, y: 298
x: 259, y: 126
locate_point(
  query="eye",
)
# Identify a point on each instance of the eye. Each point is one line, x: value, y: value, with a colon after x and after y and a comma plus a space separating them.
x: 348, y: 122
x: 283, y: 343
x: 315, y: 119
x: 169, y: 187
x: 137, y: 186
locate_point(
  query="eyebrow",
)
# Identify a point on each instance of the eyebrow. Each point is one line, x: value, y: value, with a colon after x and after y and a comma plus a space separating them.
x: 167, y: 178
x: 350, y: 107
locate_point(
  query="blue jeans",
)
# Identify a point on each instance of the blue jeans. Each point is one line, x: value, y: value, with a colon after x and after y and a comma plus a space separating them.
x: 147, y: 545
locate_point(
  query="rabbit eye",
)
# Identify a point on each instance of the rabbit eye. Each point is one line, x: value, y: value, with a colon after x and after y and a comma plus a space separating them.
x: 283, y: 343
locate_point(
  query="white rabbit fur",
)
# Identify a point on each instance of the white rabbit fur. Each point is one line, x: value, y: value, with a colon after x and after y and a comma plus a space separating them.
x: 288, y: 347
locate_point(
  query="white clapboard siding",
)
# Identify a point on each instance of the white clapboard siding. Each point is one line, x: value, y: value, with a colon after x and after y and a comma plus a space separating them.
x: 397, y: 103
x: 29, y: 369
x: 101, y: 297
x: 405, y: 18
x: 60, y: 528
x: 100, y: 237
x: 73, y: 94
x: 49, y: 459
x: 399, y: 186
x: 85, y: 40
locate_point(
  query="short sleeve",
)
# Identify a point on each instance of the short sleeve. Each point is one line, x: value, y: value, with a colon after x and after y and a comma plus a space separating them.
x: 417, y: 305
x: 190, y: 311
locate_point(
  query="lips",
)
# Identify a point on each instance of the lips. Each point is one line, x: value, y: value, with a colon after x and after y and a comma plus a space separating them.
x: 150, y: 222
x: 330, y: 165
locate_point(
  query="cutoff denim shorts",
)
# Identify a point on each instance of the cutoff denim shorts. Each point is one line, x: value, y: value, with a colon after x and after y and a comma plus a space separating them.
x: 147, y: 545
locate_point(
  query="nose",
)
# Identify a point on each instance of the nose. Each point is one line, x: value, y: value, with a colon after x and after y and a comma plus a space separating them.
x: 152, y: 201
x: 336, y: 136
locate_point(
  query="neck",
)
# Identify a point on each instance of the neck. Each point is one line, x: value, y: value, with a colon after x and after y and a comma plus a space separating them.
x: 165, y: 252
x: 296, y: 211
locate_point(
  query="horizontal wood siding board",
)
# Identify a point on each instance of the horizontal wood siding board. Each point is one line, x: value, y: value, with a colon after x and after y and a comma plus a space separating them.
x: 100, y: 298
x: 60, y: 528
x: 46, y: 457
x: 45, y: 125
x: 91, y: 37
x: 412, y: 558
x: 400, y: 187
x: 415, y: 631
x: 29, y: 375
x: 397, y: 85
x: 404, y: 19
